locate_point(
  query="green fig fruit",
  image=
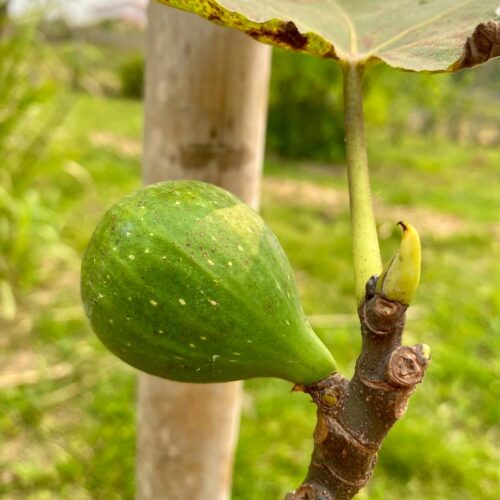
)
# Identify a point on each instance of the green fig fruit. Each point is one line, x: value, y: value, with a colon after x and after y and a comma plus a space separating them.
x: 184, y: 281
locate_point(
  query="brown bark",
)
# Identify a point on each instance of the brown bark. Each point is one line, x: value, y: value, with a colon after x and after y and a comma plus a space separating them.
x: 206, y: 102
x: 354, y: 416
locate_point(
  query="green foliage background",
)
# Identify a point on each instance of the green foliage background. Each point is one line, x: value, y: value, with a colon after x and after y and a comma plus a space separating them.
x: 305, y: 103
x: 70, y: 146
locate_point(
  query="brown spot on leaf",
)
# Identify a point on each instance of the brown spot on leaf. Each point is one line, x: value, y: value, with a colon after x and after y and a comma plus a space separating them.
x: 287, y: 34
x: 484, y: 44
x: 214, y: 17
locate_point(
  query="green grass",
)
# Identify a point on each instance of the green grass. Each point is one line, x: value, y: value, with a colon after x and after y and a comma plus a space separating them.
x: 71, y: 434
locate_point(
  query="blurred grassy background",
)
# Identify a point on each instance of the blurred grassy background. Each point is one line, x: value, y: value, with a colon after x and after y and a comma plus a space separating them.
x: 70, y: 145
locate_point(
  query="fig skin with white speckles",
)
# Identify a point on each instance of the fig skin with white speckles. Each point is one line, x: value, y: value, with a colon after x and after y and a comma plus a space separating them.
x: 184, y: 281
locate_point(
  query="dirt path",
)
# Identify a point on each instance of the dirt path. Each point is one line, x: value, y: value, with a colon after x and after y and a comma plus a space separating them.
x: 334, y: 201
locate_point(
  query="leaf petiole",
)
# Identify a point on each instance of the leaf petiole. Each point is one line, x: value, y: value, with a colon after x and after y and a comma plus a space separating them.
x: 365, y: 247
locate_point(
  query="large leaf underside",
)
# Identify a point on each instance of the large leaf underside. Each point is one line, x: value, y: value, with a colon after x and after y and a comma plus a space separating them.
x: 416, y: 35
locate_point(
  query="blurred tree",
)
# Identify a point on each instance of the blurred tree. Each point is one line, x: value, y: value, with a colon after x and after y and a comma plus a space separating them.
x: 305, y: 108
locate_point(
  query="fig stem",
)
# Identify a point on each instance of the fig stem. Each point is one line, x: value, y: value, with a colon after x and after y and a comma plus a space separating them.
x: 365, y: 247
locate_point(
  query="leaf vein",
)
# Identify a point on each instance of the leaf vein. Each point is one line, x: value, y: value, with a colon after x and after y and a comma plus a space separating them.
x: 353, y: 37
x: 407, y: 31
